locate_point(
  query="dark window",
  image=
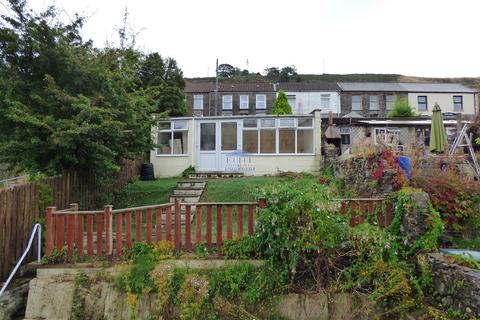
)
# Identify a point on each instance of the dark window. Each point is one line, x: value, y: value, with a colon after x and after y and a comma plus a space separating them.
x: 345, y: 138
x: 422, y: 103
x: 457, y: 103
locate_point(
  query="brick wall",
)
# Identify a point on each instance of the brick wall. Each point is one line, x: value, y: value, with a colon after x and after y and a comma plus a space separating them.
x: 346, y: 103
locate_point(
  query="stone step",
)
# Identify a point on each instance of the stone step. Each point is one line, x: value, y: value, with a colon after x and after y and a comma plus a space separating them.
x: 215, y: 174
x: 190, y: 191
x: 184, y: 198
x: 191, y: 184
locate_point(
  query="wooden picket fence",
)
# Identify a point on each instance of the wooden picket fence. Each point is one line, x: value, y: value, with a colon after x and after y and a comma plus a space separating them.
x: 371, y: 209
x: 19, y: 206
x: 108, y: 232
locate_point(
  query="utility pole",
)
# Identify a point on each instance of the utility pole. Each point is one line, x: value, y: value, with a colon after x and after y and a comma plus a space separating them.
x: 216, y: 87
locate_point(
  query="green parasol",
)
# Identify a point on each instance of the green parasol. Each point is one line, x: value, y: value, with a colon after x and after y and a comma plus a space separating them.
x: 438, y: 137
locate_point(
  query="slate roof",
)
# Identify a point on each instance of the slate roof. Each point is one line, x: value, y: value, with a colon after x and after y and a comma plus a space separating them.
x: 436, y: 87
x: 405, y: 87
x: 228, y: 86
x: 371, y: 86
x: 309, y: 86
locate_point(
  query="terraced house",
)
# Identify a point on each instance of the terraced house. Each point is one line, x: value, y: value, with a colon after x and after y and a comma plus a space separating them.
x: 375, y: 99
x: 232, y: 97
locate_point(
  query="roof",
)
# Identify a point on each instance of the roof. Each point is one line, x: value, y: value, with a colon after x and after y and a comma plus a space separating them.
x: 436, y: 87
x: 405, y: 87
x: 309, y: 86
x: 353, y: 114
x: 371, y: 86
x: 228, y: 86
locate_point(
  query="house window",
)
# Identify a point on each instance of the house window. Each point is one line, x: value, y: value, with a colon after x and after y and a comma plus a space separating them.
x: 261, y: 101
x: 389, y: 101
x: 292, y: 100
x: 356, y: 102
x: 198, y: 102
x: 325, y: 101
x: 172, y: 138
x: 292, y: 136
x: 422, y: 103
x: 457, y: 103
x: 227, y: 102
x: 345, y: 135
x: 373, y: 102
x: 387, y: 136
x: 243, y: 102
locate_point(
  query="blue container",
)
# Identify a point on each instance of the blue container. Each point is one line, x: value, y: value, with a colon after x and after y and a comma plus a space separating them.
x: 404, y: 163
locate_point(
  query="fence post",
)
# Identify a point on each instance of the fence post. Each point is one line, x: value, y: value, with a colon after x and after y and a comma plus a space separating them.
x: 177, y: 239
x: 107, y: 210
x: 50, y: 231
x: 262, y: 203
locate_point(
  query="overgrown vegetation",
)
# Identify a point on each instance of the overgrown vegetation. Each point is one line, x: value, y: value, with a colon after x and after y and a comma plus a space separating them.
x: 69, y: 105
x: 401, y: 109
x: 281, y: 105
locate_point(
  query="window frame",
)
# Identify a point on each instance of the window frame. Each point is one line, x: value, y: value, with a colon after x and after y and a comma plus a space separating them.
x: 426, y: 103
x: 224, y: 102
x: 355, y: 103
x: 455, y: 103
x: 195, y: 97
x: 172, y: 130
x: 374, y: 103
x: 278, y: 126
x: 240, y: 102
x: 387, y: 107
x: 264, y: 101
x: 323, y: 97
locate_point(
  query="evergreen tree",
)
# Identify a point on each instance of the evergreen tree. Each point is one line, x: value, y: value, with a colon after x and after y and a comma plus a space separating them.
x: 281, y: 106
x: 401, y: 109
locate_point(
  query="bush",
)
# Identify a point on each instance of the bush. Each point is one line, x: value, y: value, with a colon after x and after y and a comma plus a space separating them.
x: 281, y: 106
x: 401, y: 109
x: 451, y: 192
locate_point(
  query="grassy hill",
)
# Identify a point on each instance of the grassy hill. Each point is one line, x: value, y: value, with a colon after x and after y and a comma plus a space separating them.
x: 355, y: 77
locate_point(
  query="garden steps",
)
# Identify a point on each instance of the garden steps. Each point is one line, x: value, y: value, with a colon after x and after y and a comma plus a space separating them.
x: 188, y: 191
x: 215, y: 174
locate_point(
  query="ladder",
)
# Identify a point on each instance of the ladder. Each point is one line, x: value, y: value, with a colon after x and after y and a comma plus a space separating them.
x: 463, y: 140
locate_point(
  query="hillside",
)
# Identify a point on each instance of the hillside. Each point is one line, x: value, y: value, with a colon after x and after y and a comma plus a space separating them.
x: 356, y: 77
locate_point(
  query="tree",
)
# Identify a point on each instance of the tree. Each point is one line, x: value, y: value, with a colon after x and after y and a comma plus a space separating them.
x: 227, y: 70
x: 401, y: 109
x: 64, y: 104
x: 163, y: 83
x: 272, y: 73
x: 287, y: 73
x: 281, y: 106
x: 284, y: 74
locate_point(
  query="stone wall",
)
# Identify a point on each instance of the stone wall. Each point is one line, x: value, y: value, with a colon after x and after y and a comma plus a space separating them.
x: 355, y: 171
x: 458, y: 287
x: 346, y: 103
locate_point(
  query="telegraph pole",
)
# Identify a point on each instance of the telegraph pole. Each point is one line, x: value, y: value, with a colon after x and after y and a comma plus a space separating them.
x: 216, y: 87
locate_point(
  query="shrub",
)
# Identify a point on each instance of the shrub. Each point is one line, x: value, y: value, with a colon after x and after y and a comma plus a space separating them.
x: 452, y: 193
x: 281, y: 106
x: 401, y: 109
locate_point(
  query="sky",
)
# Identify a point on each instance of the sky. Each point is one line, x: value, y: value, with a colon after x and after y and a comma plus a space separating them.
x: 431, y: 38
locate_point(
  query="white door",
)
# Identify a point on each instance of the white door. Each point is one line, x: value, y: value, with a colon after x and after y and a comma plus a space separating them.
x: 218, y: 141
x: 207, y: 147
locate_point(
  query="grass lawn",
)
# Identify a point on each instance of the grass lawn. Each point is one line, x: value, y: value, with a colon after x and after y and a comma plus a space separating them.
x: 142, y: 193
x: 241, y: 189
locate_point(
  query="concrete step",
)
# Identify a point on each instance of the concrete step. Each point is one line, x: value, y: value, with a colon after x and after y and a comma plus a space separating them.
x: 190, y: 191
x: 215, y: 174
x: 184, y: 198
x: 191, y: 184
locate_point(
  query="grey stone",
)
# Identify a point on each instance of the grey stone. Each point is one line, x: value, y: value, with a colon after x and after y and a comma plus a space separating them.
x: 304, y: 307
x: 13, y: 300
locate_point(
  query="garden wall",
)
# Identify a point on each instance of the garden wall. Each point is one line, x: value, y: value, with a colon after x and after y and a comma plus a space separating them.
x: 458, y: 286
x: 20, y: 205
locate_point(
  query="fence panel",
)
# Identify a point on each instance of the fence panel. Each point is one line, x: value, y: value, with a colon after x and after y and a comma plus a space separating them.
x: 19, y: 209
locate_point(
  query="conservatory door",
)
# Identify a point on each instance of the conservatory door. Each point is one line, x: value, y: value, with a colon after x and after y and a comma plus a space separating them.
x: 208, y: 146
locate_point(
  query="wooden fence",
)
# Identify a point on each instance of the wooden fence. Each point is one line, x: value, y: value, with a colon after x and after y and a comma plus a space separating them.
x: 19, y: 206
x: 108, y: 232
x: 374, y: 210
